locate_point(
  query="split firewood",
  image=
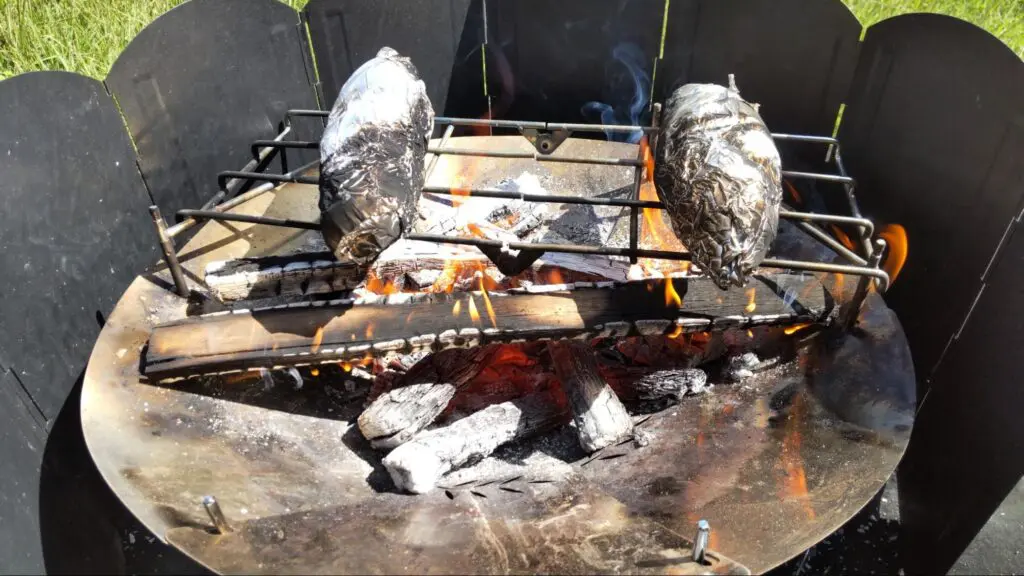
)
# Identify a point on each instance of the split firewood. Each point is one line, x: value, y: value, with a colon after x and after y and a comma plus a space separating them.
x: 600, y: 417
x: 396, y: 416
x: 417, y: 465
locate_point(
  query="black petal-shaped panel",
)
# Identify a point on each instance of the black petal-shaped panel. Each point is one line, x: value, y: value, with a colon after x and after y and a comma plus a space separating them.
x: 794, y: 57
x: 934, y: 133
x: 203, y: 81
x: 572, y: 60
x: 74, y: 230
x: 442, y: 37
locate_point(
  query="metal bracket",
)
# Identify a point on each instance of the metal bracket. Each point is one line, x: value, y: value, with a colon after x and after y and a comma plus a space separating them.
x: 546, y: 141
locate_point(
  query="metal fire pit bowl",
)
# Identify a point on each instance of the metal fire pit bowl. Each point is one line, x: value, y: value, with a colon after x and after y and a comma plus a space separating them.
x: 766, y: 462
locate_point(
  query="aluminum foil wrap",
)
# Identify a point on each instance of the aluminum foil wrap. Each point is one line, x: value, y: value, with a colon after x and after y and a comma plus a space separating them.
x: 371, y: 157
x: 719, y: 175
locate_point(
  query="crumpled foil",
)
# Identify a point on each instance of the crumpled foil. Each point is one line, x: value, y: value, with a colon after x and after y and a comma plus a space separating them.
x: 719, y: 175
x: 371, y: 157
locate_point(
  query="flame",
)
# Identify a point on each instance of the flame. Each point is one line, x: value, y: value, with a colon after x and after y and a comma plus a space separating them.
x: 676, y: 332
x: 751, y: 305
x: 475, y: 230
x: 794, y: 193
x: 794, y: 479
x: 656, y: 232
x: 369, y: 331
x: 457, y: 270
x: 671, y: 296
x: 487, y: 303
x: 472, y: 309
x: 318, y: 338
x: 363, y: 362
x: 457, y: 308
x: 843, y: 238
x: 790, y: 330
x: 896, y: 237
x: 377, y: 286
x: 750, y: 333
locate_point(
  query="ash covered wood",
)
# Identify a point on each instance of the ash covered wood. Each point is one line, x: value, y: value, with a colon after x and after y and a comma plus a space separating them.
x: 670, y: 385
x: 397, y: 415
x: 600, y: 417
x: 417, y: 465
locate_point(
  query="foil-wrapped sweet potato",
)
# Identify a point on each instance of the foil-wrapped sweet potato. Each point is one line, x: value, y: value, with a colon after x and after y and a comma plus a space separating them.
x: 719, y: 175
x: 371, y: 157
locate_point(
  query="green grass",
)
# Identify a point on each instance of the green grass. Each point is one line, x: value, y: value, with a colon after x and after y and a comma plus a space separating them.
x: 85, y: 36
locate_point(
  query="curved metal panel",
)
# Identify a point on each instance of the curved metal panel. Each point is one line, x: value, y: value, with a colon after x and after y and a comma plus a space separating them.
x: 548, y: 60
x: 203, y: 81
x: 967, y: 449
x: 74, y: 229
x: 794, y: 57
x: 934, y: 133
x: 442, y: 37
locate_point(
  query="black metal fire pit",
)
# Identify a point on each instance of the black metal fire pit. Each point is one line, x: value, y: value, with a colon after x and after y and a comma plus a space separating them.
x: 219, y: 100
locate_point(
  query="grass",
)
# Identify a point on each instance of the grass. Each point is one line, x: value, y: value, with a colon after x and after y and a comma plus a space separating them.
x: 86, y: 36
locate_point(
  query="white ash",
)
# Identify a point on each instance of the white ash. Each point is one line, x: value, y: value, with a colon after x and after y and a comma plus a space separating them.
x: 742, y: 366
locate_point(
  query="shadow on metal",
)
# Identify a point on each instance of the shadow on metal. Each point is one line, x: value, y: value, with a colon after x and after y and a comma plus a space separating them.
x: 203, y: 81
x: 794, y: 57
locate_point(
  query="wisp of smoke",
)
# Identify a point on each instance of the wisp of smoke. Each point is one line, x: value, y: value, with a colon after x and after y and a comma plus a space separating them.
x: 630, y: 56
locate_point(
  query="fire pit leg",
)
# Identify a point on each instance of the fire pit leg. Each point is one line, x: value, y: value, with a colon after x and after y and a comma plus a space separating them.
x: 600, y: 417
x: 170, y: 258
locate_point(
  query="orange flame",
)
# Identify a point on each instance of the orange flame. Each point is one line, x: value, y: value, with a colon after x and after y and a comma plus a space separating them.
x: 554, y: 276
x: 671, y: 296
x: 793, y: 192
x: 487, y: 303
x: 843, y: 238
x: 457, y: 308
x: 751, y: 305
x: 790, y: 330
x: 676, y: 332
x: 318, y: 338
x: 377, y: 286
x: 475, y: 230
x: 896, y: 237
x: 369, y: 331
x: 314, y: 371
x: 472, y: 309
x: 750, y: 333
x: 656, y: 232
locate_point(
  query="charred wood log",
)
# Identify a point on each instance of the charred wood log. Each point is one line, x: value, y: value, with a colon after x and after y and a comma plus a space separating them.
x: 417, y: 465
x: 318, y: 332
x: 669, y: 386
x: 600, y: 417
x: 397, y: 415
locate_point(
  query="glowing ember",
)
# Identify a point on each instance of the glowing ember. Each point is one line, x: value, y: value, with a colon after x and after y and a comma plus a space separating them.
x: 671, y: 296
x: 314, y: 371
x: 896, y: 237
x: 751, y: 305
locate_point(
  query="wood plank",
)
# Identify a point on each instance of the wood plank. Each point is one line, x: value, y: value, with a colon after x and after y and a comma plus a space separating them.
x: 341, y: 330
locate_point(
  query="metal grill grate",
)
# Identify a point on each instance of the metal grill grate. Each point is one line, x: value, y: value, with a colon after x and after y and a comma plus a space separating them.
x: 863, y: 261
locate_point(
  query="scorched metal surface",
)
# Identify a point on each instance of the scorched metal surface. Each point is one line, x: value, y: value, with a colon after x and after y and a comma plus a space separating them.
x: 771, y: 470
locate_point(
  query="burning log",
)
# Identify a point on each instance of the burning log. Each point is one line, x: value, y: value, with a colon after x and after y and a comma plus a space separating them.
x: 600, y: 417
x: 417, y: 465
x: 371, y: 157
x: 720, y: 177
x: 344, y: 330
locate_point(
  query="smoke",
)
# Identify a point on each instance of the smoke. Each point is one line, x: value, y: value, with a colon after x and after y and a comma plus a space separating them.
x: 632, y: 59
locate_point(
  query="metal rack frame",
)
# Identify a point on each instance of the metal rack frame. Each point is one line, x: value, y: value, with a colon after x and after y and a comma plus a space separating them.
x: 546, y: 137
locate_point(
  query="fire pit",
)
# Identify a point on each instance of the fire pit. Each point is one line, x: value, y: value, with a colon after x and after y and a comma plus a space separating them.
x: 246, y: 451
x: 244, y: 398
